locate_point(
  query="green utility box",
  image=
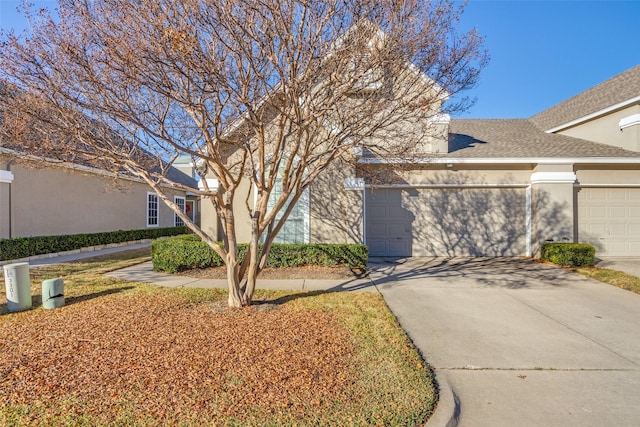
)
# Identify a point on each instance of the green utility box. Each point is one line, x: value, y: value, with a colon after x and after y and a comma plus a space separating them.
x: 52, y: 293
x: 18, y: 286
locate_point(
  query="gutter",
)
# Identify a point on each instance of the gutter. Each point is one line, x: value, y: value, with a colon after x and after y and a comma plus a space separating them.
x: 503, y: 160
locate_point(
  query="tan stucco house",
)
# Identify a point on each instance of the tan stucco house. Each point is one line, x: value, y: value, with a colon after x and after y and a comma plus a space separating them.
x: 39, y: 200
x: 490, y: 187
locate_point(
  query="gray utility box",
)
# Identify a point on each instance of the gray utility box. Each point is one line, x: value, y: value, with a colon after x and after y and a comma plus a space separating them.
x: 18, y: 286
x: 52, y: 293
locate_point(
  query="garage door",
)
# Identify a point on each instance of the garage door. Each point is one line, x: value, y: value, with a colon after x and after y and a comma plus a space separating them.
x: 609, y: 219
x: 446, y: 222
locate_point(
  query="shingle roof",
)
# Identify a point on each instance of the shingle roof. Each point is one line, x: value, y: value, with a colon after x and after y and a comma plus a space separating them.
x: 513, y: 138
x: 617, y: 89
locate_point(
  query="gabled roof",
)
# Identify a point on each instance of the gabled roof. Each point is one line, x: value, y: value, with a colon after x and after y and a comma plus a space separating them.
x: 521, y: 138
x: 617, y: 90
x: 96, y: 167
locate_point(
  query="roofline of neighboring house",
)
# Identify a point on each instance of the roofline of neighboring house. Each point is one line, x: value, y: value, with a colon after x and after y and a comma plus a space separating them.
x: 594, y: 115
x: 504, y: 160
x: 77, y: 167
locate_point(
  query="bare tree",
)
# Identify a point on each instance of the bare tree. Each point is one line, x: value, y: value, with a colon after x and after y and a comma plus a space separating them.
x: 266, y: 91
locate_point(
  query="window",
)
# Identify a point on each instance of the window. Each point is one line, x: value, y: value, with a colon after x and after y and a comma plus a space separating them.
x: 153, y: 210
x: 296, y: 228
x: 177, y: 221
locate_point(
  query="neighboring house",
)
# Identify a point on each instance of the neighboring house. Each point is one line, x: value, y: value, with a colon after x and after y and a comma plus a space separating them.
x: 492, y: 188
x: 40, y: 200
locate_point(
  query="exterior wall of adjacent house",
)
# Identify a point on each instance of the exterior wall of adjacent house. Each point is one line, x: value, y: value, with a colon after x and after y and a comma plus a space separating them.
x: 606, y: 130
x: 57, y: 201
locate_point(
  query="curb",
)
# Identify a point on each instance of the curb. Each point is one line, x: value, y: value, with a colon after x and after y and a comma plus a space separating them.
x: 447, y: 412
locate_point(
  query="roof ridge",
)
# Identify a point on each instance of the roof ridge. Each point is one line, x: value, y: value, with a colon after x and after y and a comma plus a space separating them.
x: 591, y: 100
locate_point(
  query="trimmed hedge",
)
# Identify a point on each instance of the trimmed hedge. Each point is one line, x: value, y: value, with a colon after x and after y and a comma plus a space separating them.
x: 23, y: 247
x: 188, y: 252
x: 569, y: 254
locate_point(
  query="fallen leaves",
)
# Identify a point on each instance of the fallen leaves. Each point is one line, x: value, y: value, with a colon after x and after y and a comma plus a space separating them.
x: 166, y: 359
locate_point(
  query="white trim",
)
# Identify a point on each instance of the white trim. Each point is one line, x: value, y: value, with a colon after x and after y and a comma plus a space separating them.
x: 212, y: 183
x: 440, y: 119
x: 553, y: 178
x: 629, y: 121
x: 528, y: 219
x: 306, y: 195
x: 615, y: 185
x: 504, y: 160
x: 176, y: 218
x: 157, y: 224
x: 594, y: 115
x: 6, y: 177
x: 354, y: 184
x: 466, y: 185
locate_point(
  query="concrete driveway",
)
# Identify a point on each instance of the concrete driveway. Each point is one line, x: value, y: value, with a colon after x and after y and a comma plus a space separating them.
x: 517, y: 343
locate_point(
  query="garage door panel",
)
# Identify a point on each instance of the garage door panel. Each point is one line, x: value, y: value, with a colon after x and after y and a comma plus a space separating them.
x: 377, y: 247
x: 617, y: 194
x: 609, y: 218
x: 397, y: 229
x: 617, y: 230
x: 618, y: 212
x: 377, y: 212
x: 448, y: 222
x: 597, y: 212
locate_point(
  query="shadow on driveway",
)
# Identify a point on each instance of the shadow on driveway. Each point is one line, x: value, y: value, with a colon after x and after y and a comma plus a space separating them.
x: 500, y: 272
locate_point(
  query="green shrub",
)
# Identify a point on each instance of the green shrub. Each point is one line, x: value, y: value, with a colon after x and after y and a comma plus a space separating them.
x: 23, y: 247
x: 188, y: 252
x: 569, y: 254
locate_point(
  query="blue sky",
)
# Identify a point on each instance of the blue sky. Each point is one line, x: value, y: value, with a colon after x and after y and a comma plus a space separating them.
x: 542, y: 52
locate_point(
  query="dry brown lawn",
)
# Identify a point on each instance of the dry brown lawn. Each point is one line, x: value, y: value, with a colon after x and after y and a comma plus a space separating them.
x: 130, y: 354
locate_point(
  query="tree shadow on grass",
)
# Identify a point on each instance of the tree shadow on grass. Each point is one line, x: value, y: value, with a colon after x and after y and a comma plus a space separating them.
x: 37, y: 299
x: 284, y: 299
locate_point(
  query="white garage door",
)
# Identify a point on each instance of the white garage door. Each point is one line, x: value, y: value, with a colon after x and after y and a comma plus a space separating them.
x: 609, y: 219
x: 446, y: 222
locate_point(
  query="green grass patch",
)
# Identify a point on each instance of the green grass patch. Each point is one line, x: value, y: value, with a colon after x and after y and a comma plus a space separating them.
x: 165, y: 356
x: 612, y: 277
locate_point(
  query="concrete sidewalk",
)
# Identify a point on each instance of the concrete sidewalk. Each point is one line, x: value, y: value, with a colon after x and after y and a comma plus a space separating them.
x: 144, y: 273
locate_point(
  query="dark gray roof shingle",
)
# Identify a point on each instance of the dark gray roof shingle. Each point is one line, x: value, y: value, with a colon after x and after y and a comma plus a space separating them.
x: 617, y: 89
x: 513, y: 138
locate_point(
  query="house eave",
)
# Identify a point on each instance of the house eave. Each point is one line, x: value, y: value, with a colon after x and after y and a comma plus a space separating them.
x: 78, y: 168
x: 504, y: 160
x: 594, y: 115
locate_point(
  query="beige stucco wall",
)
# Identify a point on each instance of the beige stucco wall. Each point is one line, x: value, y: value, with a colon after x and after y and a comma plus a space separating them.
x: 335, y: 212
x: 55, y: 201
x: 438, y: 173
x: 606, y: 130
x: 209, y: 219
x: 608, y: 174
